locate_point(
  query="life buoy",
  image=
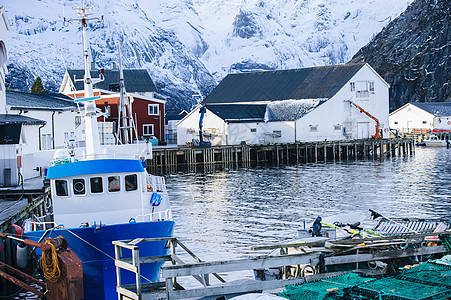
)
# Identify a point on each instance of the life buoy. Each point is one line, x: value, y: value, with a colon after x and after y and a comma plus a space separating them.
x: 155, y: 200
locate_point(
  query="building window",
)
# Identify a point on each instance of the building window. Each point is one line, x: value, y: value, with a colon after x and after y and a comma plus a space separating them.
x: 154, y: 110
x: 277, y: 133
x: 79, y: 186
x: 46, y: 141
x: 396, y: 122
x: 362, y: 89
x: 337, y: 127
x: 352, y: 86
x: 314, y: 128
x: 114, y: 184
x: 424, y: 122
x: 77, y: 121
x: 147, y: 129
x: 371, y: 83
x: 96, y: 185
x: 131, y: 182
x: 61, y: 188
x: 253, y: 129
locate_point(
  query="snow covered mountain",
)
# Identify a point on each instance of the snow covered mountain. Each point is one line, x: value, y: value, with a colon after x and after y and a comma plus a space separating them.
x: 189, y: 45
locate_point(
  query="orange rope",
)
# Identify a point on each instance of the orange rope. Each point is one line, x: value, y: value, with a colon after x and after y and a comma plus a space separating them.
x: 49, y: 264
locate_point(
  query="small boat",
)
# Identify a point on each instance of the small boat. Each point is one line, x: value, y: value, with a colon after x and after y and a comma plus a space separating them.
x: 103, y: 194
x: 434, y: 141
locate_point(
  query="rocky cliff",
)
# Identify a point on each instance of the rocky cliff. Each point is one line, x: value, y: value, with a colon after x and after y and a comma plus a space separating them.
x: 412, y: 54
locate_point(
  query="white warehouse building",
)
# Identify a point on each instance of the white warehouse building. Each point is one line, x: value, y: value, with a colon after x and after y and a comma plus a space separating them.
x: 343, y: 102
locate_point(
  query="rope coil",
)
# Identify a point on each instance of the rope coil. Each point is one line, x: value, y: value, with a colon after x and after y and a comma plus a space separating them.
x: 49, y: 263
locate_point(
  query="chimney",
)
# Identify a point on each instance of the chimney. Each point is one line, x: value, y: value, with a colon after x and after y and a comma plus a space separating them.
x: 114, y: 66
x: 93, y: 66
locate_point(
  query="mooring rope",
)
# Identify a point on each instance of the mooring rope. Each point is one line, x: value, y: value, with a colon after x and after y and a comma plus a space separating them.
x: 49, y: 263
x: 100, y: 250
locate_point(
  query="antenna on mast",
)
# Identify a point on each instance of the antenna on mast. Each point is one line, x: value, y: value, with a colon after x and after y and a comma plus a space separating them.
x: 92, y: 134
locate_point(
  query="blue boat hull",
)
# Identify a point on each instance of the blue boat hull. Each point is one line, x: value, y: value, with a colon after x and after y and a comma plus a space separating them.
x: 99, y: 272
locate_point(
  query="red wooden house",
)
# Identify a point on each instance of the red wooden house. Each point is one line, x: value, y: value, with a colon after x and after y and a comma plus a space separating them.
x: 147, y: 110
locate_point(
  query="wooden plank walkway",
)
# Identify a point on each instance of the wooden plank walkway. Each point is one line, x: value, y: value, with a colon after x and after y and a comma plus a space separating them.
x: 19, y: 203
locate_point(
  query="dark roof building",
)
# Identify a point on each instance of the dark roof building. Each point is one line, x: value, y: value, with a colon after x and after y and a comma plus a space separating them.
x: 239, y: 112
x: 266, y: 86
x: 19, y: 119
x: 175, y: 115
x: 30, y: 101
x: 136, y: 80
x: 438, y: 109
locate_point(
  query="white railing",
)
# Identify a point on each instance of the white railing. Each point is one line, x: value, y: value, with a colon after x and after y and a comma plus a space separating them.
x: 165, y: 215
x: 156, y: 184
x: 31, y: 225
x: 64, y: 160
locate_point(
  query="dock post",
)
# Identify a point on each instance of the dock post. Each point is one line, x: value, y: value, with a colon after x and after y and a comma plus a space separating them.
x: 355, y: 151
x: 325, y: 150
x: 389, y: 148
x: 297, y: 153
x: 306, y: 153
x: 288, y: 155
x: 333, y: 151
x: 339, y: 151
x: 316, y: 152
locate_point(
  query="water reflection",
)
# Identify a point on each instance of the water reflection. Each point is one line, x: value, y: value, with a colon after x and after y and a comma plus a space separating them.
x: 222, y: 215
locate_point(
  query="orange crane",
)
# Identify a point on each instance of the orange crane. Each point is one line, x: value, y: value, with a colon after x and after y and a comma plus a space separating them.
x: 376, y: 135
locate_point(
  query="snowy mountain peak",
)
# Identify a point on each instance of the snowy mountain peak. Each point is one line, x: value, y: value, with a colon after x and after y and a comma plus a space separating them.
x: 189, y: 45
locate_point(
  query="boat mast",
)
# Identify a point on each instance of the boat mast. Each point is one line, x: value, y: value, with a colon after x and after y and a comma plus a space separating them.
x: 125, y: 119
x: 92, y: 131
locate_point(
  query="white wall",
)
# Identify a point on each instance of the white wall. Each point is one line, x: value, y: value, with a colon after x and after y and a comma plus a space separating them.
x: 62, y: 122
x: 409, y: 117
x: 214, y: 128
x: 335, y: 114
x: 265, y: 133
x: 442, y: 123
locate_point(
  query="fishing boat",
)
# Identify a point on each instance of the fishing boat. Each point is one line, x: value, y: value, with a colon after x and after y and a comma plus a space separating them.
x: 101, y: 194
x: 434, y: 141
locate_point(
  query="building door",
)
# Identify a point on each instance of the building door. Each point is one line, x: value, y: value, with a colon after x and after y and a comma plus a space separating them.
x: 363, y: 130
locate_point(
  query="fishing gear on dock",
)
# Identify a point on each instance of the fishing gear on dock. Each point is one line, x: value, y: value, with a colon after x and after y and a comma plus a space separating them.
x: 62, y: 270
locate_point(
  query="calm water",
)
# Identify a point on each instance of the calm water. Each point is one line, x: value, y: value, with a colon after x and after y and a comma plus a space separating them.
x: 221, y: 215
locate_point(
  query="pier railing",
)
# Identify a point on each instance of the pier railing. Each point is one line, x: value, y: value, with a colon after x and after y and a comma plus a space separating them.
x: 201, y: 271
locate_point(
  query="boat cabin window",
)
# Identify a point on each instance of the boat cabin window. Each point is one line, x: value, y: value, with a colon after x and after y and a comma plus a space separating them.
x: 96, y: 185
x: 114, y: 184
x: 79, y: 186
x: 61, y: 188
x: 131, y: 182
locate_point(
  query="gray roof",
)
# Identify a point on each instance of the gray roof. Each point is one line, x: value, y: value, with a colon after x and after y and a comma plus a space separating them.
x: 30, y: 101
x: 438, y: 109
x: 307, y: 83
x: 15, y: 119
x: 239, y: 112
x: 136, y: 80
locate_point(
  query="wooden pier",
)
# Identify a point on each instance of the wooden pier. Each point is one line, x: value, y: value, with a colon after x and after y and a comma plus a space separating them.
x: 18, y: 204
x: 170, y: 160
x: 351, y: 255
